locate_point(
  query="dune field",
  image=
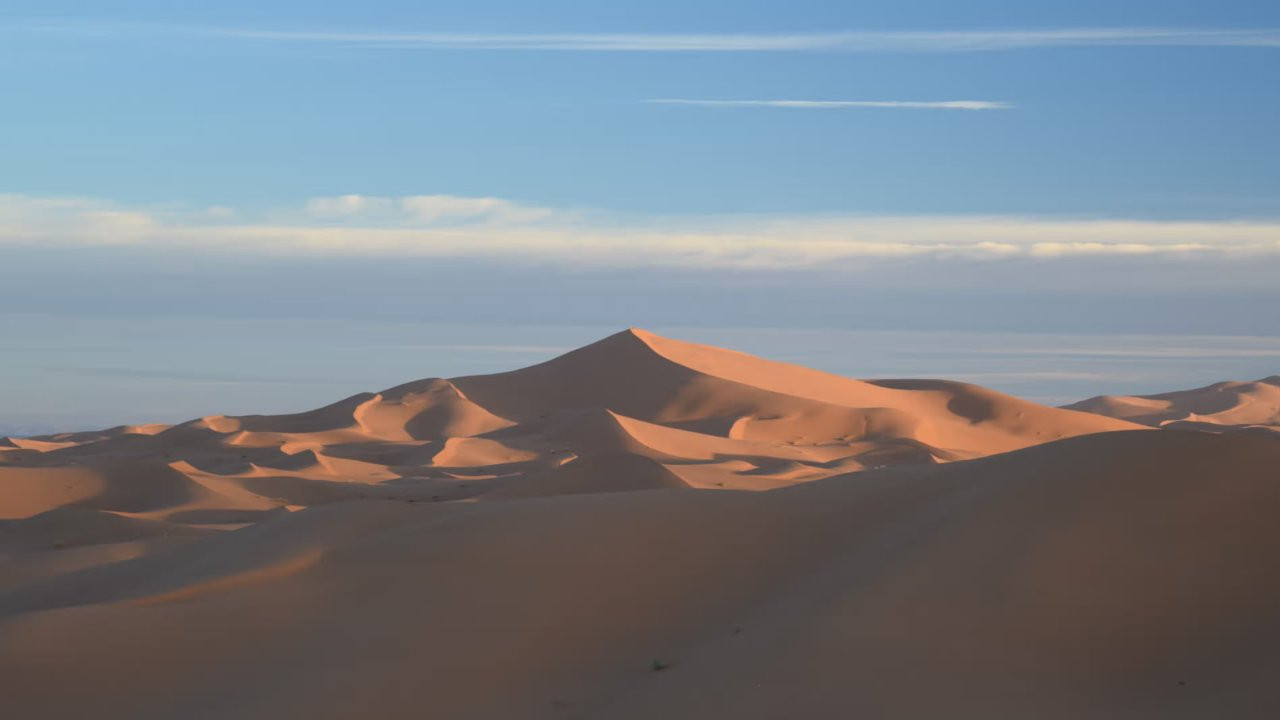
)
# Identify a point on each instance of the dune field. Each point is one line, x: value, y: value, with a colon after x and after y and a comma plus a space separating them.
x: 650, y: 528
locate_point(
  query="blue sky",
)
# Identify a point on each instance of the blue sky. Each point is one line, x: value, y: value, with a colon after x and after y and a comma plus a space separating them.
x: 140, y: 102
x: 946, y: 166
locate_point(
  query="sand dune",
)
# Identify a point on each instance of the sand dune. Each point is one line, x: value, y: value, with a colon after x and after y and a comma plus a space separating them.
x: 1224, y: 406
x: 714, y: 418
x: 69, y: 527
x: 133, y: 487
x: 532, y: 544
x: 1100, y: 576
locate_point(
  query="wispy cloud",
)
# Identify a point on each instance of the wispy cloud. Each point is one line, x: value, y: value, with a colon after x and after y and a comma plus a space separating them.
x: 1147, y: 353
x: 1011, y: 376
x: 160, y: 374
x: 456, y: 227
x: 851, y: 41
x: 512, y: 349
x: 839, y: 104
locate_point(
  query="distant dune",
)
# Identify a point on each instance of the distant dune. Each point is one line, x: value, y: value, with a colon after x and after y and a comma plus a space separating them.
x: 533, y: 544
x: 1221, y: 407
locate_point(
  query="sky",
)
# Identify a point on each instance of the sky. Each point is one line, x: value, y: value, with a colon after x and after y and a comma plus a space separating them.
x: 1077, y: 168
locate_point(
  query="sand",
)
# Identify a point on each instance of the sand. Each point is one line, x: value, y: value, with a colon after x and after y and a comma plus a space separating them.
x: 1221, y: 407
x: 645, y: 528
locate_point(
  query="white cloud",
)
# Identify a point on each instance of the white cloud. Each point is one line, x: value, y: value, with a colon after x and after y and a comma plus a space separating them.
x: 437, y: 208
x: 26, y: 219
x: 460, y: 227
x: 420, y: 210
x: 346, y: 205
x: 854, y: 41
x: 839, y: 104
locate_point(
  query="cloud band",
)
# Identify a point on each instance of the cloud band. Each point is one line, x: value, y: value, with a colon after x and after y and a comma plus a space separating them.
x: 856, y: 41
x: 458, y: 227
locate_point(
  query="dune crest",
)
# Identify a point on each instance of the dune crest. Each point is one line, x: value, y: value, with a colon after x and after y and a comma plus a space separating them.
x: 533, y: 544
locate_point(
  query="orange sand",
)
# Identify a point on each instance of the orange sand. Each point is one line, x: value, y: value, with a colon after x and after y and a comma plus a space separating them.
x: 532, y: 545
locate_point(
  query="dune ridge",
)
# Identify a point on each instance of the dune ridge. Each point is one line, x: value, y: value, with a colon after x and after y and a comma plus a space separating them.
x: 534, y: 544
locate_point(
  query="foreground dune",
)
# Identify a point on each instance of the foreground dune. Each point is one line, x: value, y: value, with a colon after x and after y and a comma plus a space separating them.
x: 532, y: 545
x: 1116, y: 575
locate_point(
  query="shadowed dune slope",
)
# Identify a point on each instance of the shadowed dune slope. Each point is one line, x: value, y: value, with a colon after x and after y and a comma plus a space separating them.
x: 607, y: 472
x: 72, y: 527
x: 1116, y: 575
x: 1238, y: 405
